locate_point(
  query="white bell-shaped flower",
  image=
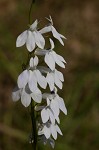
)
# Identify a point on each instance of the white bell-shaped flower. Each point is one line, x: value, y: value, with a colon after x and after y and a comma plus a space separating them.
x: 56, y: 102
x: 51, y: 28
x: 51, y: 57
x: 48, y: 114
x: 32, y: 77
x: 25, y: 95
x: 50, y: 129
x: 55, y: 78
x: 31, y: 37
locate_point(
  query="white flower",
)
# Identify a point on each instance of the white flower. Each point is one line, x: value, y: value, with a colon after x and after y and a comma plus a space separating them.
x: 53, y: 30
x: 32, y: 77
x: 56, y: 103
x: 50, y: 129
x: 47, y: 113
x: 31, y: 37
x: 25, y: 95
x: 55, y: 77
x: 51, y: 57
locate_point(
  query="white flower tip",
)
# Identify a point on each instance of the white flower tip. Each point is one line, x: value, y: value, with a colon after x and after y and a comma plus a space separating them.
x: 52, y: 44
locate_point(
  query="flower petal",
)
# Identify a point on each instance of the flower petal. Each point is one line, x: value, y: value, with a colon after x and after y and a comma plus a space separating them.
x: 55, y: 107
x: 50, y: 81
x: 62, y: 105
x: 57, y: 60
x: 50, y: 61
x: 37, y: 96
x: 47, y: 132
x: 34, y: 25
x: 23, y: 79
x: 25, y: 98
x: 32, y: 81
x: 21, y: 39
x: 16, y: 94
x: 58, y: 129
x: 30, y: 42
x: 40, y: 40
x: 57, y: 35
x: 44, y: 115
x: 31, y: 63
x: 58, y: 82
x: 60, y: 75
x: 41, y: 79
x: 52, y: 118
x: 52, y: 44
x: 45, y: 30
x: 53, y: 131
x: 36, y: 60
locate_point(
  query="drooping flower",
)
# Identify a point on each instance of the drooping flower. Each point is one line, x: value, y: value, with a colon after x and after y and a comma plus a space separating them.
x: 55, y: 78
x: 50, y: 129
x: 51, y: 28
x: 32, y: 76
x: 25, y: 95
x: 51, y: 57
x: 31, y: 37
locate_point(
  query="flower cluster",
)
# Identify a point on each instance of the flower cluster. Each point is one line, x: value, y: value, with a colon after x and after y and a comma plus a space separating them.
x: 35, y: 77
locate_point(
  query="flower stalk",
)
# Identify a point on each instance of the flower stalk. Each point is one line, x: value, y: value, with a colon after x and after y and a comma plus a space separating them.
x: 34, y: 130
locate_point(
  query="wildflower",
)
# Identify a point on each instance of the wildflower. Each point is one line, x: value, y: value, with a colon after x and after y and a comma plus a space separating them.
x: 32, y: 76
x: 31, y: 37
x: 51, y: 57
x: 51, y: 28
x: 25, y: 95
x: 50, y: 129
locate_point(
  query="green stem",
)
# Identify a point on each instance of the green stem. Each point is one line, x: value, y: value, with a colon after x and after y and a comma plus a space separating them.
x: 34, y: 130
x: 33, y: 1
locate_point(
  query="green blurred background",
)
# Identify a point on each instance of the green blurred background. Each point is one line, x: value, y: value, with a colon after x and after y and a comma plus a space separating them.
x: 79, y: 21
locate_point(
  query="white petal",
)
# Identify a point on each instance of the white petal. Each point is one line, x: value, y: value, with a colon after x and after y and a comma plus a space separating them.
x: 47, y: 132
x: 61, y: 58
x: 30, y: 42
x: 57, y: 35
x: 60, y: 75
x: 62, y: 105
x: 50, y: 80
x: 41, y: 79
x: 31, y: 62
x: 23, y: 79
x: 50, y: 61
x: 37, y: 96
x: 40, y: 41
x: 32, y: 81
x: 52, y: 44
x: 57, y: 119
x: 34, y: 25
x: 16, y: 94
x: 55, y: 107
x: 44, y: 115
x: 36, y: 61
x: 62, y: 36
x: 52, y: 118
x: 21, y: 39
x: 53, y: 131
x: 58, y: 82
x: 25, y: 99
x: 57, y: 60
x: 45, y: 30
x: 58, y: 129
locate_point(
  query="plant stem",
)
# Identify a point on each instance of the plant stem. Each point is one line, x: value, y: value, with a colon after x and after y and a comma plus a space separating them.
x: 34, y: 131
x: 33, y: 1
